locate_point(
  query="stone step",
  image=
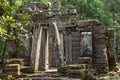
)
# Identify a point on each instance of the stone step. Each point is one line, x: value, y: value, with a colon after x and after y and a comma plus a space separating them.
x: 84, y: 60
x: 79, y: 66
x: 82, y: 73
x: 12, y: 69
x: 24, y: 79
x: 26, y: 62
x: 16, y: 61
x: 21, y: 61
x: 67, y: 68
x: 26, y: 69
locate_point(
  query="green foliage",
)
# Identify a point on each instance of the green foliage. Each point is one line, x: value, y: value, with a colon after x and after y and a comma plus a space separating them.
x: 8, y: 24
x: 10, y: 77
x: 88, y: 9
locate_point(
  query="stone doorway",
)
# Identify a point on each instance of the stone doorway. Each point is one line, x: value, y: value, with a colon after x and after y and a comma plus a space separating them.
x: 77, y: 44
x: 86, y: 44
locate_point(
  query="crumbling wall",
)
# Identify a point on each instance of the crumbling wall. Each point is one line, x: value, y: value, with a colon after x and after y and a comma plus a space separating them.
x: 24, y: 49
x: 99, y: 31
x: 112, y: 49
x: 72, y: 37
x: 100, y: 60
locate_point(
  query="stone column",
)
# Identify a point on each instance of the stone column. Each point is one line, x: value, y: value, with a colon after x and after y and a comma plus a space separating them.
x: 62, y: 46
x: 111, y: 49
x: 36, y: 46
x: 46, y: 53
x: 43, y: 57
x: 100, y: 61
x: 68, y: 46
x: 56, y: 43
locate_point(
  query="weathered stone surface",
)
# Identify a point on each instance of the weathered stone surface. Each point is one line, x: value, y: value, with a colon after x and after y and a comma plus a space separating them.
x: 76, y: 39
x: 72, y: 39
x: 26, y: 62
x: 76, y: 34
x: 26, y: 69
x: 24, y: 79
x: 34, y: 6
x: 83, y: 73
x: 98, y: 56
x: 16, y: 61
x: 100, y: 61
x: 86, y: 23
x: 99, y: 41
x: 74, y: 61
x: 112, y: 73
x: 12, y: 69
x: 111, y: 32
x: 99, y: 51
x: 79, y: 70
x: 101, y: 68
x: 99, y: 29
x: 111, y: 49
x: 99, y: 36
x: 56, y: 43
x: 77, y: 66
x: 76, y: 52
x: 75, y: 44
x: 99, y: 46
x: 52, y: 58
x: 75, y: 55
x: 104, y: 78
x: 83, y: 60
x: 36, y: 48
x: 76, y: 48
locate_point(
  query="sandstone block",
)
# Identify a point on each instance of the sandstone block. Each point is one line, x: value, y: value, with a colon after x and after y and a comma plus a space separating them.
x: 100, y: 29
x: 85, y: 60
x: 16, y: 61
x: 75, y: 34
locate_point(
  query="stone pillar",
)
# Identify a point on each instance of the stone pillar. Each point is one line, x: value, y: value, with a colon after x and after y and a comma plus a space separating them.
x: 43, y: 57
x: 62, y: 46
x: 56, y: 43
x: 111, y: 49
x: 100, y: 61
x: 46, y: 52
x: 36, y: 46
x: 68, y: 46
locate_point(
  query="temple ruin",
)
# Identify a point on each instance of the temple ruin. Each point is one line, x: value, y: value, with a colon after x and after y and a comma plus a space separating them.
x: 59, y: 40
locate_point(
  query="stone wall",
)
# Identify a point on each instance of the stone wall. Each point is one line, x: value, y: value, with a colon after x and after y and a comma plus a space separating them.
x: 24, y: 49
x: 71, y: 36
x: 112, y: 49
x: 100, y: 60
x: 99, y: 31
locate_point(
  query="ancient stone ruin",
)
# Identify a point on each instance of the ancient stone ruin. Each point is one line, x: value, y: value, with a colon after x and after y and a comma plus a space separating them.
x: 59, y: 41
